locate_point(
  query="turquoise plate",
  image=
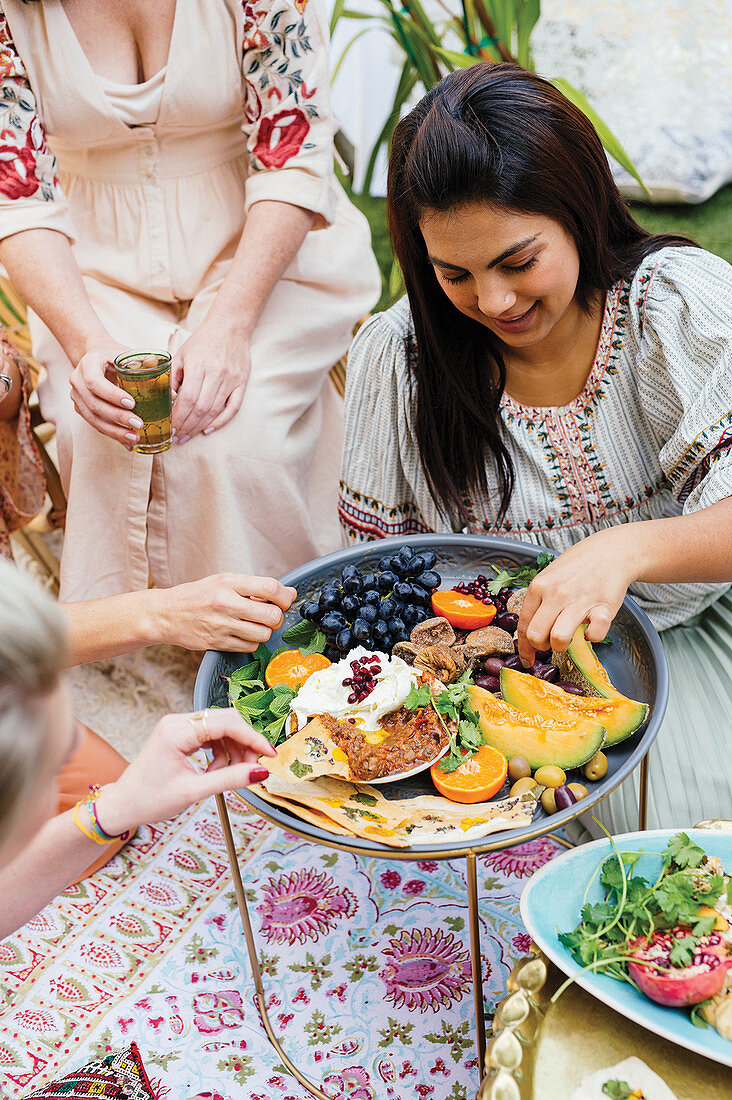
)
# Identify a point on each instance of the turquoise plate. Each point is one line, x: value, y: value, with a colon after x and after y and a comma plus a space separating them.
x: 552, y: 901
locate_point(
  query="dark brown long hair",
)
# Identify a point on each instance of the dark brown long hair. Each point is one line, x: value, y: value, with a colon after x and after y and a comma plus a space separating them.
x: 498, y: 134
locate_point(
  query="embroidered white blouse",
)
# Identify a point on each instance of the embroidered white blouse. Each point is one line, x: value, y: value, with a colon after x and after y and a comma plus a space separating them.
x: 649, y: 436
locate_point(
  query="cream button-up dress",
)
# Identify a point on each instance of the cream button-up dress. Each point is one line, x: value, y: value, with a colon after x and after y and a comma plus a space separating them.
x: 155, y: 213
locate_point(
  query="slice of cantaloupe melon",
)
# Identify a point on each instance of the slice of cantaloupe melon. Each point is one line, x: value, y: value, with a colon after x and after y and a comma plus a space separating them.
x: 619, y: 715
x: 568, y: 742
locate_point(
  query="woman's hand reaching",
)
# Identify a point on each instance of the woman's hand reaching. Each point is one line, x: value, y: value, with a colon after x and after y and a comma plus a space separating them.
x: 229, y: 611
x: 98, y: 399
x: 210, y: 374
x: 585, y: 584
x: 162, y: 782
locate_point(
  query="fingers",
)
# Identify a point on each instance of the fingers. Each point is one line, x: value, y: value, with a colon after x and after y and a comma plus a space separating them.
x: 104, y: 406
x: 190, y: 731
x: 206, y: 407
x: 231, y: 408
x: 227, y: 779
x: 264, y: 588
x: 189, y: 387
x: 599, y: 622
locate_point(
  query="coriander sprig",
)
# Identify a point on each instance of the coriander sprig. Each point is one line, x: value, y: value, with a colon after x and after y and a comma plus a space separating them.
x: 634, y: 908
x: 452, y: 703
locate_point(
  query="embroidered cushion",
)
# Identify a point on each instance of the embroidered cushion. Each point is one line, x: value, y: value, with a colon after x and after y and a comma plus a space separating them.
x: 119, y: 1075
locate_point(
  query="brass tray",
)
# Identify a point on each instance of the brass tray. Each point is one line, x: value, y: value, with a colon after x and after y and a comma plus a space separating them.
x: 541, y: 1051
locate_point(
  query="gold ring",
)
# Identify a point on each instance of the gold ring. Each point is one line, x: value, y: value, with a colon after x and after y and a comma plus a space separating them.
x: 201, y: 735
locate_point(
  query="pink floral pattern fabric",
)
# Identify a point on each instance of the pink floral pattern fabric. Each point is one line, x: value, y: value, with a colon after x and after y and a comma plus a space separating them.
x: 27, y: 166
x: 286, y: 91
x: 366, y: 967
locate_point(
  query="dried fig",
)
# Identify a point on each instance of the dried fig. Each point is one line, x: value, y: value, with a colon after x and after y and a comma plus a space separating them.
x: 406, y: 650
x: 433, y: 632
x: 491, y: 641
x: 438, y: 659
x: 515, y: 601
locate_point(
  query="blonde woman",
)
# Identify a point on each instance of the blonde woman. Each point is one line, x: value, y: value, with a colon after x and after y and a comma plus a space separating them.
x: 40, y: 854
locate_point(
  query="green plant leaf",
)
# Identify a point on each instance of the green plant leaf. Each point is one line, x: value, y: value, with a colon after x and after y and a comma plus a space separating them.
x: 607, y: 137
x: 338, y: 7
x: 527, y: 16
x: 407, y: 81
x: 347, y: 48
x: 456, y: 60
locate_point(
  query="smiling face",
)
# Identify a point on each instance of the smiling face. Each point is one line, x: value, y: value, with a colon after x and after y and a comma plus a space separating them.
x: 514, y: 273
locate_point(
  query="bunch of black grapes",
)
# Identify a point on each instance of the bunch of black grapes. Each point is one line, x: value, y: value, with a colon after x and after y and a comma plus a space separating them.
x: 377, y: 609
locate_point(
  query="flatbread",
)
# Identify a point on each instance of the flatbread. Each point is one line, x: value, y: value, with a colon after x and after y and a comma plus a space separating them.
x: 365, y: 812
x: 307, y: 813
x: 309, y: 753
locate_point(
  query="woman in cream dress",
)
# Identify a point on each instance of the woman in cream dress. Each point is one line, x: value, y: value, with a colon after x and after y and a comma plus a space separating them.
x: 166, y: 182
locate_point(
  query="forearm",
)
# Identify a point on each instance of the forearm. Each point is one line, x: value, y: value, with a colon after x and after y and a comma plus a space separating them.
x: 42, y: 268
x: 272, y: 236
x: 99, y: 629
x: 694, y: 547
x: 56, y: 855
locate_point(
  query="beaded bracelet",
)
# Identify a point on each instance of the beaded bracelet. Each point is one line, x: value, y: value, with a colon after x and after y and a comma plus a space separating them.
x: 99, y: 836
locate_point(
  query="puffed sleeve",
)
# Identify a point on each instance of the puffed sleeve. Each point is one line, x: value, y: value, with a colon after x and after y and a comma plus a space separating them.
x: 382, y: 489
x: 684, y: 299
x: 30, y: 194
x: 288, y: 120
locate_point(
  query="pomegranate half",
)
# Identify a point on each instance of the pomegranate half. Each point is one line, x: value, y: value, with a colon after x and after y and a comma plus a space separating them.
x: 675, y: 986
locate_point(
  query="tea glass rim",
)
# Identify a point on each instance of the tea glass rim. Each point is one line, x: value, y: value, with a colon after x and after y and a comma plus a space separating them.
x: 164, y: 361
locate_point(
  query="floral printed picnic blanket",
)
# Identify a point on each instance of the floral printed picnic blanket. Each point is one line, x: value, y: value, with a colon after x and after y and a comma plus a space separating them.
x: 366, y: 961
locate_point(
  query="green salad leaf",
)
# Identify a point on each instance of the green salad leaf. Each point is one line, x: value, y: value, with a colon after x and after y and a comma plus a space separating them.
x: 634, y: 907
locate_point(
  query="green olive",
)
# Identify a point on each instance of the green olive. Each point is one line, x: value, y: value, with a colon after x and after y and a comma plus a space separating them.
x: 518, y: 768
x: 522, y: 785
x: 596, y: 768
x: 578, y: 790
x: 549, y: 801
x: 550, y: 776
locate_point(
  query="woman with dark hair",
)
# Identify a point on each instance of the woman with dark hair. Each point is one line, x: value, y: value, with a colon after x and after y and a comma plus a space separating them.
x: 557, y: 373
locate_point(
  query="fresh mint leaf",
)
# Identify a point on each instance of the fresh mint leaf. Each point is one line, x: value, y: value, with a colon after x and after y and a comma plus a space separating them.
x: 299, y: 769
x: 316, y: 645
x: 306, y: 637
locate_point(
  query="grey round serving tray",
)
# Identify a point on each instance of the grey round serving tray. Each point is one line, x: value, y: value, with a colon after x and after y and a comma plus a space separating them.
x: 635, y: 661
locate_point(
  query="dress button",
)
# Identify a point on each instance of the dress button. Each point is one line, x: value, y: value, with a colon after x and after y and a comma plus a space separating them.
x: 148, y: 150
x: 149, y: 174
x: 158, y: 269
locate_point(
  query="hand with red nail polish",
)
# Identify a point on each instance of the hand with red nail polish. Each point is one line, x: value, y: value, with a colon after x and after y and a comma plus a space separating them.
x: 162, y: 781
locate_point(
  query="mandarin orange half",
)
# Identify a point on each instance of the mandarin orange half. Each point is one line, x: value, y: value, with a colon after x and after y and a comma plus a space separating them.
x: 292, y: 669
x: 474, y: 781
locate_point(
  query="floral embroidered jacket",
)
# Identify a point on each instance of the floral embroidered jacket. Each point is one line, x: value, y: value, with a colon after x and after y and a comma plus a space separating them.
x: 51, y: 105
x: 650, y: 435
